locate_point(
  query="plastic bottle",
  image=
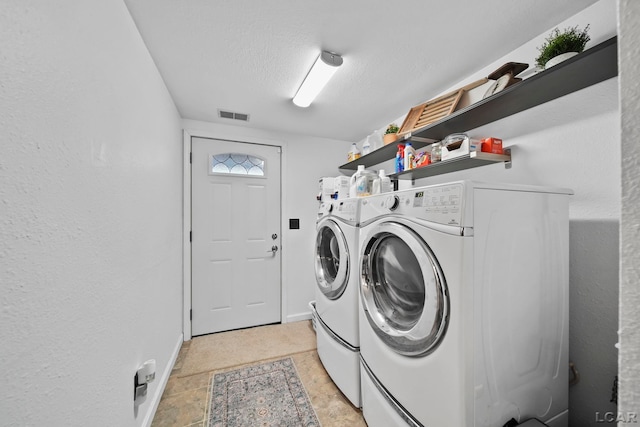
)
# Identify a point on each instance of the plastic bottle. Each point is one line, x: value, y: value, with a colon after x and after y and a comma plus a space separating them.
x: 376, y: 139
x: 352, y: 181
x: 375, y: 189
x: 385, y: 182
x: 354, y: 153
x: 364, y: 183
x: 366, y: 146
x: 382, y: 183
x: 409, y: 156
x: 361, y: 182
x: 400, y: 158
x: 362, y: 186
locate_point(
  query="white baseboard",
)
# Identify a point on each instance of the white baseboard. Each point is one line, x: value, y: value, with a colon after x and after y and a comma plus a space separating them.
x: 155, y: 401
x: 298, y: 317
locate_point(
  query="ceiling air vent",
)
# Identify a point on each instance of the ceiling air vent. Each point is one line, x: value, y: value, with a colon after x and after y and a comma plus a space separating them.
x: 231, y: 115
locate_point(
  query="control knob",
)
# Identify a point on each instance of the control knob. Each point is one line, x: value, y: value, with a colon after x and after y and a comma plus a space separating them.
x: 329, y: 207
x: 392, y: 203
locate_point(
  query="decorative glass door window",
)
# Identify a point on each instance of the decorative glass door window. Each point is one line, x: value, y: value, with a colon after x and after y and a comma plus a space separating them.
x: 236, y: 164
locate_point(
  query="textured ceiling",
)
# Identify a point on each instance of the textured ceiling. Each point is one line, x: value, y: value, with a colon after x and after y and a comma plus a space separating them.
x: 251, y: 56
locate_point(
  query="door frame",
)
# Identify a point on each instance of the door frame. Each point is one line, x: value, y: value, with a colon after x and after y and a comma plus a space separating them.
x: 233, y: 136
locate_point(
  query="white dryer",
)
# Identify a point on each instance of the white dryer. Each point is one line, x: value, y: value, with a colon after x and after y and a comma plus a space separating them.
x: 464, y: 306
x: 336, y: 304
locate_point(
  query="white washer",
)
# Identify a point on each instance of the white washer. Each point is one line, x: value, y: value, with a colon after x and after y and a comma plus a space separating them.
x: 336, y: 265
x: 464, y: 306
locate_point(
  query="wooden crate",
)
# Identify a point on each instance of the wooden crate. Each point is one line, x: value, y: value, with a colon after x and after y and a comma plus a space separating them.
x: 431, y: 111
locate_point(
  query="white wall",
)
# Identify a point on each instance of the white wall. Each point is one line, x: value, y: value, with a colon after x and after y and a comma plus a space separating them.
x: 305, y: 160
x: 572, y: 142
x: 90, y: 223
x: 629, y: 398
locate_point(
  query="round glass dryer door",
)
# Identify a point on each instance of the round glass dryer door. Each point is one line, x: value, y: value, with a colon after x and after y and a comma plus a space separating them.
x: 332, y: 260
x: 403, y: 290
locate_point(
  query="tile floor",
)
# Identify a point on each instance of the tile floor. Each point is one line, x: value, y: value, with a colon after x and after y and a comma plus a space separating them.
x: 186, y: 396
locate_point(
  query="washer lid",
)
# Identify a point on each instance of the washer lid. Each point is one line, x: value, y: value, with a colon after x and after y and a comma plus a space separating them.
x: 403, y: 290
x: 332, y: 259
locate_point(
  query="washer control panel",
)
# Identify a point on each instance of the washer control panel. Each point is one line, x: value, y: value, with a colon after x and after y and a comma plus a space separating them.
x: 347, y: 209
x: 443, y: 204
x: 438, y: 203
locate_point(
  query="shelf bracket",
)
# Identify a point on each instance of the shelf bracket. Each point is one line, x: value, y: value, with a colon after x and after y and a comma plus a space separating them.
x: 507, y: 164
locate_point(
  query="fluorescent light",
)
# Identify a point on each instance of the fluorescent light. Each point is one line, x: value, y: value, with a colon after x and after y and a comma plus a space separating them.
x: 324, y: 67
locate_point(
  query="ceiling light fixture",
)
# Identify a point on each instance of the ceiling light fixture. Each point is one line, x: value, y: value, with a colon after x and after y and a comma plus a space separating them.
x: 324, y: 67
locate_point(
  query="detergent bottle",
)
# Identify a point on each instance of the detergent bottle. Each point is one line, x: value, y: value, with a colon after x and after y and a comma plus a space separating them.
x: 409, y: 156
x: 352, y: 181
x: 375, y: 189
x: 381, y: 184
x: 384, y: 182
x: 361, y: 182
x: 354, y: 153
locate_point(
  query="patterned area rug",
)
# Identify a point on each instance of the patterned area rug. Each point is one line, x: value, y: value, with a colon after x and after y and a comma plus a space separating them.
x: 266, y: 395
x: 230, y: 349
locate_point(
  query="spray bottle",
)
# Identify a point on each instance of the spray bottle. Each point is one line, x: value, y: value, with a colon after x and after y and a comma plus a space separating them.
x: 400, y: 158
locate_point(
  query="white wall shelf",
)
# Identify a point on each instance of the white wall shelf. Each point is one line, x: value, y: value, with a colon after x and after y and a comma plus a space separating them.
x: 468, y: 161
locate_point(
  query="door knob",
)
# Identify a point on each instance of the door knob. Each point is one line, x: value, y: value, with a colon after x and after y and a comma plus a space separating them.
x: 274, y: 249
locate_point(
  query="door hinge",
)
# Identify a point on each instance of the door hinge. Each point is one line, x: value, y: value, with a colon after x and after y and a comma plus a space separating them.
x: 190, y: 236
x: 190, y: 157
x: 190, y: 314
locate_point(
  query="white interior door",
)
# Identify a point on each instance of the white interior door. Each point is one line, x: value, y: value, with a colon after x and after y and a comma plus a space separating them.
x: 235, y: 222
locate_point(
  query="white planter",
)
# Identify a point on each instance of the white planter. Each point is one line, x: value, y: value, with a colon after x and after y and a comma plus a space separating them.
x: 558, y: 59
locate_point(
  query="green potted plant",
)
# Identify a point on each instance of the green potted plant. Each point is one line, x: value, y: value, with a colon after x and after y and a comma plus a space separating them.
x: 391, y: 134
x: 561, y: 45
